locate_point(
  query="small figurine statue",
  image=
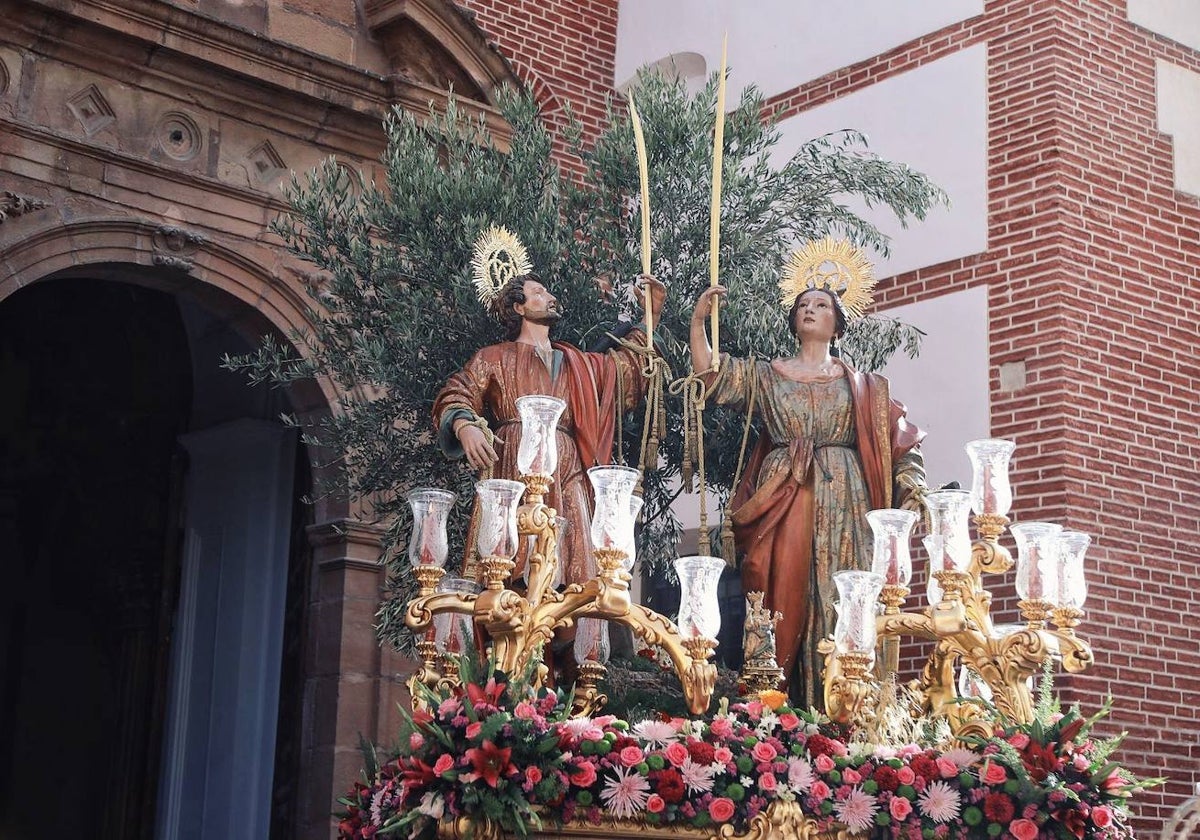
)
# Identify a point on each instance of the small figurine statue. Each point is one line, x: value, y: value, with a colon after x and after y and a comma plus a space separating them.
x: 760, y: 670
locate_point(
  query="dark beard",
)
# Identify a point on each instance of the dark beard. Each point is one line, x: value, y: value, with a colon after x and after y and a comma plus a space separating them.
x: 548, y: 318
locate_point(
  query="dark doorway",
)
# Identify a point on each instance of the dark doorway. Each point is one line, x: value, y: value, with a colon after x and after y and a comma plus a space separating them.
x: 107, y: 388
x: 96, y: 379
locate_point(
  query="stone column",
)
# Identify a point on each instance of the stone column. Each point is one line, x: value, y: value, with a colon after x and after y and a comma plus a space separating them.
x: 351, y: 685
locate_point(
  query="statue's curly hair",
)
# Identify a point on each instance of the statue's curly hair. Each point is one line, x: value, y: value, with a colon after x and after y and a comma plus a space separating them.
x: 510, y: 294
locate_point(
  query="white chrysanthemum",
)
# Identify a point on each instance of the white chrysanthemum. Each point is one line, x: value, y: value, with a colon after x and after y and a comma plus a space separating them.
x: 857, y: 810
x: 766, y: 724
x: 625, y: 792
x: 697, y: 778
x: 939, y: 802
x: 962, y: 757
x: 575, y: 727
x: 800, y: 774
x: 656, y: 733
x: 377, y: 806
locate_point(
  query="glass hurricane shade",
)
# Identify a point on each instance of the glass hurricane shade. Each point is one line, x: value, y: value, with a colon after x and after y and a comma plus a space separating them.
x: 935, y: 548
x: 858, y: 604
x: 630, y: 549
x: 949, y: 512
x: 990, y: 488
x: 699, y: 611
x: 893, y: 533
x: 452, y: 630
x: 1072, y: 582
x: 612, y: 485
x: 1037, y: 560
x: 498, y: 503
x: 537, y: 453
x: 429, y: 545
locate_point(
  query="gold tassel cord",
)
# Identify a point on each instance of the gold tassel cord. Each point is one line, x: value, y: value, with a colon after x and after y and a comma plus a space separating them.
x: 695, y: 394
x: 657, y: 371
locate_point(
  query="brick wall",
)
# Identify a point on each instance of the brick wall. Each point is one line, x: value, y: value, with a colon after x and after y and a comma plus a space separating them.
x: 1091, y: 268
x: 564, y: 50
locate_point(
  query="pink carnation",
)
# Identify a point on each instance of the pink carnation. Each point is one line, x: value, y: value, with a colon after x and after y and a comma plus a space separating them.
x: 415, y: 741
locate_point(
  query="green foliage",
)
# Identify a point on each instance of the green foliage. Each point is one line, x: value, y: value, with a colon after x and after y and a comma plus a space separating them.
x: 394, y: 311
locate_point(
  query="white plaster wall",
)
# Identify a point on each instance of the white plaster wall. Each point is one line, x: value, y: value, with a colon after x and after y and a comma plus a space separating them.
x: 934, y: 119
x: 1178, y: 20
x: 946, y: 387
x: 775, y: 44
x: 1179, y: 115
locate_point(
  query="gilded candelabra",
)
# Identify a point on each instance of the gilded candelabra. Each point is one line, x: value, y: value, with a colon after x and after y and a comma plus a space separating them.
x: 518, y: 624
x: 958, y: 619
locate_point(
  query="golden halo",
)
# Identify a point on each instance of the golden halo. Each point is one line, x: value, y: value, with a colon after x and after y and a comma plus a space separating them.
x: 499, y: 257
x: 832, y: 264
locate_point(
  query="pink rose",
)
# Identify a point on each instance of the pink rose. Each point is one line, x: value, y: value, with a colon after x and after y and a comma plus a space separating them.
x: 994, y: 774
x: 1019, y: 740
x: 583, y: 774
x: 947, y: 768
x: 767, y: 781
x: 906, y: 775
x: 755, y: 709
x: 473, y: 729
x: 824, y: 764
x: 899, y: 808
x: 788, y: 721
x: 676, y: 753
x: 763, y: 752
x: 1080, y: 761
x: 721, y: 727
x: 723, y: 755
x: 851, y: 776
x: 1102, y: 816
x: 655, y: 804
x: 416, y: 741
x: 444, y: 762
x: 533, y: 775
x: 721, y: 809
x: 631, y: 755
x: 592, y: 733
x: 525, y: 711
x: 819, y: 790
x: 1023, y: 829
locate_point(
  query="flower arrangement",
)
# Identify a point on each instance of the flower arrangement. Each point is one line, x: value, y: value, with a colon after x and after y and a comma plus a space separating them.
x: 498, y: 749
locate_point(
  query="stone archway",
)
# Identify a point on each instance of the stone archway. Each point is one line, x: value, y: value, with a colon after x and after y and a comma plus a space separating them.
x: 334, y: 685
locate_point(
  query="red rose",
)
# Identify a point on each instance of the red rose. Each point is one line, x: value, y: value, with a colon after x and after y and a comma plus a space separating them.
x: 1023, y: 829
x: 721, y: 809
x: 655, y: 804
x: 998, y: 808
